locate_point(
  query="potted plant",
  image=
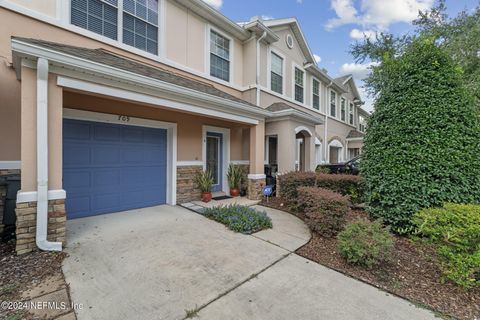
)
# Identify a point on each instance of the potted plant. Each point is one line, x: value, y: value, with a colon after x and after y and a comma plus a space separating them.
x: 204, y: 181
x: 234, y: 176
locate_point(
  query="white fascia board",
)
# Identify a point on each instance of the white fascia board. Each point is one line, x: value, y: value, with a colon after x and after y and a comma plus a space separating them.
x: 144, y: 98
x: 295, y: 114
x: 98, y: 68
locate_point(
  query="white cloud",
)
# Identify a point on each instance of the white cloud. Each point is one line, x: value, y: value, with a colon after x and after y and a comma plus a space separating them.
x: 267, y: 17
x: 359, y: 70
x: 214, y: 3
x: 317, y: 58
x: 378, y: 14
x: 361, y: 34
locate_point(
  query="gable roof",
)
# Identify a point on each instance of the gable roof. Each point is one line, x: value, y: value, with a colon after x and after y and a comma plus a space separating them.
x: 297, y: 32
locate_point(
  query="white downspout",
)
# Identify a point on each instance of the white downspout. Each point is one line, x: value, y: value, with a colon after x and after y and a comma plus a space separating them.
x: 257, y: 77
x: 42, y: 159
x: 325, y: 127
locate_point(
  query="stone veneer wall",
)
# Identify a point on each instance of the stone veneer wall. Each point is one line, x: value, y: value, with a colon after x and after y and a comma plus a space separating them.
x: 3, y: 193
x: 245, y: 170
x: 27, y: 222
x: 186, y: 189
x: 255, y: 188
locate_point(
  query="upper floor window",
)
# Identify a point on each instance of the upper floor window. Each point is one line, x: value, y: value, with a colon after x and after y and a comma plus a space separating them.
x: 343, y: 109
x: 350, y: 114
x: 333, y: 104
x: 139, y: 20
x: 140, y: 24
x: 219, y: 56
x: 299, y: 85
x: 276, y: 75
x: 97, y: 16
x: 316, y: 94
x: 361, y: 123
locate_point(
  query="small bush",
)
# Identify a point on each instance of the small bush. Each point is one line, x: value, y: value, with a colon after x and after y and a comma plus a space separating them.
x: 455, y: 228
x: 365, y: 243
x: 346, y: 184
x: 324, y: 209
x: 239, y: 218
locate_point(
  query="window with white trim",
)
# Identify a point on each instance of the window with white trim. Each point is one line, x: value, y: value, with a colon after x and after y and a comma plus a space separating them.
x: 333, y: 104
x: 362, y: 124
x: 219, y: 56
x: 99, y: 16
x: 139, y: 20
x: 276, y: 74
x: 343, y: 109
x: 350, y: 114
x: 299, y: 85
x: 316, y: 94
x: 140, y: 24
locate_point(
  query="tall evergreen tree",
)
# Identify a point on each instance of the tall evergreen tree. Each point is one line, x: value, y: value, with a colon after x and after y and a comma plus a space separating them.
x: 422, y: 146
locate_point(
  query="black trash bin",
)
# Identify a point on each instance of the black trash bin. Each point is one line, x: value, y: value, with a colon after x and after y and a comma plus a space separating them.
x: 12, y: 183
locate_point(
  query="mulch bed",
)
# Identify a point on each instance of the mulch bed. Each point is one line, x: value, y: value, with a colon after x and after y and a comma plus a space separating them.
x: 412, y: 273
x: 18, y: 273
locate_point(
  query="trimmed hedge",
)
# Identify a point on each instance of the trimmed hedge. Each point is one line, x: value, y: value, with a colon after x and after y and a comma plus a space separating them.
x: 345, y: 184
x: 422, y: 145
x: 325, y: 210
x: 455, y: 229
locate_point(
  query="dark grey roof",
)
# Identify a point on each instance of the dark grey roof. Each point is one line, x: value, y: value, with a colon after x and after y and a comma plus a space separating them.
x: 340, y: 80
x: 278, y: 106
x: 111, y: 59
x: 355, y: 134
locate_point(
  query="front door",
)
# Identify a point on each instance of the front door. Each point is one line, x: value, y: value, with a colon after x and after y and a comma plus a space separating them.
x: 215, y: 159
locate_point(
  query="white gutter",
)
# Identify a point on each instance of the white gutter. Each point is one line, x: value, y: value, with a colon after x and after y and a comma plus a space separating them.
x: 325, y: 128
x: 42, y: 159
x: 257, y: 77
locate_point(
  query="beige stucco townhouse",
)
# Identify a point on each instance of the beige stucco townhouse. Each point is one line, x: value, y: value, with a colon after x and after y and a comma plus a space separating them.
x: 109, y: 105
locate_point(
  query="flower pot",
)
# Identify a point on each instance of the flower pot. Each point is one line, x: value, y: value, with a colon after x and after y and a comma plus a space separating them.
x: 234, y: 192
x: 206, y: 196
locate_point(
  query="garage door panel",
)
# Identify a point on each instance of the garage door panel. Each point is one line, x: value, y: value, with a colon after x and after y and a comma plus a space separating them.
x: 77, y: 179
x: 156, y: 137
x: 133, y: 154
x: 77, y: 131
x: 79, y: 206
x: 104, y: 132
x: 76, y: 155
x: 133, y: 135
x: 106, y: 178
x: 119, y: 168
x: 106, y: 155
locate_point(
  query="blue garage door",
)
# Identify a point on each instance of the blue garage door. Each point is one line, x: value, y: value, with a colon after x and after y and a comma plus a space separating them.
x: 110, y: 167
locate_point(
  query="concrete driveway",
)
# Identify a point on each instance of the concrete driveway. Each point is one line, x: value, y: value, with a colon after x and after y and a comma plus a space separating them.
x: 160, y: 262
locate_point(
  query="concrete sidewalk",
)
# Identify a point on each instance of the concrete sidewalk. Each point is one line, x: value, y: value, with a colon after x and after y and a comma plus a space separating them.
x: 160, y: 262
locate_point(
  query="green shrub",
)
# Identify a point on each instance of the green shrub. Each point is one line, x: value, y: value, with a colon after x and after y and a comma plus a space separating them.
x: 345, y: 184
x: 455, y: 228
x: 422, y: 145
x: 325, y: 210
x: 365, y: 243
x: 239, y: 218
x: 290, y: 182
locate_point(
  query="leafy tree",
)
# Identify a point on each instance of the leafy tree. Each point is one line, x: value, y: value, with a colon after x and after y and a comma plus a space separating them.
x: 423, y: 140
x: 459, y: 36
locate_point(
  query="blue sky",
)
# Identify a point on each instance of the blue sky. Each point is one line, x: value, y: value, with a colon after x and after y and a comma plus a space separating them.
x: 331, y: 26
